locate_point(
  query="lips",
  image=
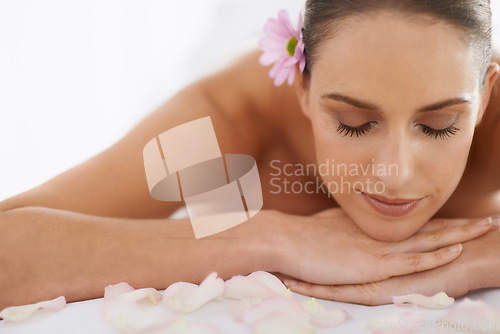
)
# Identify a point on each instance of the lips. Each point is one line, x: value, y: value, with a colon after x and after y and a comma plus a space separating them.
x: 391, y: 207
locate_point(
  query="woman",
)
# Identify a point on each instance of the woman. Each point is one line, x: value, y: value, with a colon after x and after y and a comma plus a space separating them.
x: 401, y: 83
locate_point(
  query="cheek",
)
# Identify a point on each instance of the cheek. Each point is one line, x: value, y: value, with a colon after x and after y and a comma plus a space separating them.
x: 442, y: 162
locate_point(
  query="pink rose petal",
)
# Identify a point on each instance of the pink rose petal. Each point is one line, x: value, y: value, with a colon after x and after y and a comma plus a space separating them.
x: 438, y: 301
x: 275, y: 306
x: 129, y: 317
x: 186, y: 297
x: 125, y: 293
x: 322, y: 316
x: 20, y: 313
x: 259, y: 284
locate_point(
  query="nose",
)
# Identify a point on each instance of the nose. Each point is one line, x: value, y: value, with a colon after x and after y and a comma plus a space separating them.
x: 394, y: 162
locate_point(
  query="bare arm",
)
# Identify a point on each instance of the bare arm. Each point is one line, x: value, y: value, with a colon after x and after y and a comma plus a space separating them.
x: 97, y: 224
x: 46, y: 253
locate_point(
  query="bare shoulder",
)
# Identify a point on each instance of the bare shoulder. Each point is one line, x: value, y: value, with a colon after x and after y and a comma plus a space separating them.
x: 245, y: 92
x: 113, y: 184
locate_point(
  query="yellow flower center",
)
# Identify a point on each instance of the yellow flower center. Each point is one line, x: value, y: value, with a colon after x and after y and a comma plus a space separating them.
x: 292, y: 44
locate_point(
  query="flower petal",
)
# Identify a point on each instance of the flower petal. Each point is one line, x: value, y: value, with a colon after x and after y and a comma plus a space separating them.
x: 275, y: 29
x: 275, y: 306
x: 115, y: 290
x: 125, y: 293
x: 186, y: 297
x: 275, y: 44
x: 291, y: 77
x: 322, y: 316
x: 268, y: 58
x: 282, y: 75
x: 438, y: 301
x: 128, y: 317
x: 259, y: 284
x: 285, y: 21
x: 300, y: 24
x: 20, y: 313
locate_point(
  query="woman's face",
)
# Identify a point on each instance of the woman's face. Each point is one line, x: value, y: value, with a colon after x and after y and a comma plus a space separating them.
x: 394, y: 102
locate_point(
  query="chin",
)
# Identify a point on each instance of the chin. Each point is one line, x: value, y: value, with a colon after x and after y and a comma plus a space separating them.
x: 390, y: 231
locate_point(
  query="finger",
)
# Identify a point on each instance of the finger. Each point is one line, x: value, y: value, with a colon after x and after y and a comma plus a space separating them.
x: 366, y: 294
x: 441, y: 224
x: 432, y: 240
x: 398, y: 264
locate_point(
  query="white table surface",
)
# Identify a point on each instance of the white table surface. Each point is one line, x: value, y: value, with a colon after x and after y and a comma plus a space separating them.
x: 84, y: 317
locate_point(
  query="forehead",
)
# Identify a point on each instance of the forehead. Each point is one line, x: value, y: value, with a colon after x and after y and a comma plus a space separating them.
x: 388, y: 52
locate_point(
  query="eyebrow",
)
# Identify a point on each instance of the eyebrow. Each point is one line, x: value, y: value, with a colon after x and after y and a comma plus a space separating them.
x: 370, y: 106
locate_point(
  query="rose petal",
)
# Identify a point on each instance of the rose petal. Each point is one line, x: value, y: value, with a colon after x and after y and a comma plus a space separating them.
x: 114, y: 290
x: 20, y: 313
x: 125, y: 293
x: 438, y: 301
x: 322, y: 316
x: 259, y: 284
x: 128, y: 317
x: 186, y: 297
x: 275, y: 306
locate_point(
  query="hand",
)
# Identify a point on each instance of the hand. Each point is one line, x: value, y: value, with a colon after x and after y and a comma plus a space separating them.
x: 329, y: 249
x: 474, y: 269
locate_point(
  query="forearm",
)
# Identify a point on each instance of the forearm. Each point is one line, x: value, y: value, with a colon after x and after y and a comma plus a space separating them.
x: 46, y: 253
x: 483, y: 255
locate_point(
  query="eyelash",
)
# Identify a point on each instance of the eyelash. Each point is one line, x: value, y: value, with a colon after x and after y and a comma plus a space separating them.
x: 346, y: 130
x: 443, y: 134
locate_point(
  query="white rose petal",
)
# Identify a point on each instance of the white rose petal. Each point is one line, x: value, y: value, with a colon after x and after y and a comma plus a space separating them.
x: 438, y: 301
x: 259, y: 284
x: 20, y: 313
x: 322, y: 316
x: 186, y: 297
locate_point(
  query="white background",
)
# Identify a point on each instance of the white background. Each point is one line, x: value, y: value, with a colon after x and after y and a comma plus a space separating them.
x: 76, y: 75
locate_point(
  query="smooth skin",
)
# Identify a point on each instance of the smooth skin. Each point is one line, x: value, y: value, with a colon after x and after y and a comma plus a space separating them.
x: 97, y: 224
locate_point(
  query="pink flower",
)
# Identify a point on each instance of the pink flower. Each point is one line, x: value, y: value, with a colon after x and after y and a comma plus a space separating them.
x: 283, y: 46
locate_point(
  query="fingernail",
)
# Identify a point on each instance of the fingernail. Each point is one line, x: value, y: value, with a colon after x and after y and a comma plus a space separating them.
x: 495, y: 221
x: 456, y: 248
x: 290, y: 282
x: 484, y: 222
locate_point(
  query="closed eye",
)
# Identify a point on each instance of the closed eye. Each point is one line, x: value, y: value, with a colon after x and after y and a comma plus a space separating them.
x: 346, y: 130
x: 442, y: 133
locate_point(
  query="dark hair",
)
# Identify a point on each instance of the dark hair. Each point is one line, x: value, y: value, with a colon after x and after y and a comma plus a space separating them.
x: 473, y: 17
